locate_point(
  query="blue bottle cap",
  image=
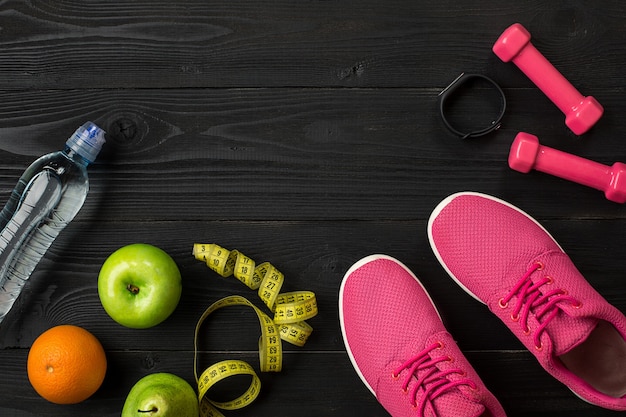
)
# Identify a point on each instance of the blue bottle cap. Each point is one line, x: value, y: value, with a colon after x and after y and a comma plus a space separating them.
x: 87, y: 141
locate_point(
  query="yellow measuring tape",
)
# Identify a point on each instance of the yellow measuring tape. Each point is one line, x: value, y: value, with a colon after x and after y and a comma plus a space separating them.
x: 290, y: 312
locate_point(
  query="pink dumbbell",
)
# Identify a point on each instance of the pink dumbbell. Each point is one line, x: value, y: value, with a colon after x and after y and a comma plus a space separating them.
x: 581, y: 113
x: 526, y: 154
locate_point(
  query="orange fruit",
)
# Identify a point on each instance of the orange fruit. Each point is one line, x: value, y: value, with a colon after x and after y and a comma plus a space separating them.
x: 66, y: 364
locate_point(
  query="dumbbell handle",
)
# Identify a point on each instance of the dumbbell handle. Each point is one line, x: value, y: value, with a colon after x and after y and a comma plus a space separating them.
x: 526, y: 154
x: 549, y: 80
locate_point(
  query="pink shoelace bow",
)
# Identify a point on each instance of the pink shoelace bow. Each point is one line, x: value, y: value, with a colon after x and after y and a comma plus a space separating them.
x: 530, y: 298
x: 432, y: 381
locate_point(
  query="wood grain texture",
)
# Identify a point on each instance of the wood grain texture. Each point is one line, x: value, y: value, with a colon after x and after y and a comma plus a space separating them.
x: 302, y: 388
x: 115, y: 44
x: 320, y: 154
x: 306, y: 134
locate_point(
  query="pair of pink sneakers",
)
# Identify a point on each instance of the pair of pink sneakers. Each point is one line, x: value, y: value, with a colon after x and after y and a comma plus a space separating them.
x: 505, y: 259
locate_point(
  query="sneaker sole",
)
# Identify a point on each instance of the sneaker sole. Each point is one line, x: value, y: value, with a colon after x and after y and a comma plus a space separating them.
x: 353, y: 268
x: 449, y: 199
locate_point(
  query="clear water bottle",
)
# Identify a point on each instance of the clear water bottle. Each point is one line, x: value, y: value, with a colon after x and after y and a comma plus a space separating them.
x: 46, y: 198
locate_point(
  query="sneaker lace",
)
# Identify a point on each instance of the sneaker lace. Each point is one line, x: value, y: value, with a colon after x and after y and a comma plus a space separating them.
x: 530, y: 298
x: 432, y: 381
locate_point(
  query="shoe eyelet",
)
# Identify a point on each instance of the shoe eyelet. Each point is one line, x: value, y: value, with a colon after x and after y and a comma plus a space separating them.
x: 473, y: 386
x: 549, y: 280
x: 526, y: 331
x: 395, y: 376
x: 515, y: 317
x: 539, y: 266
x: 440, y: 345
x: 539, y: 348
x: 564, y: 292
x: 502, y: 303
x: 450, y: 359
x: 577, y: 304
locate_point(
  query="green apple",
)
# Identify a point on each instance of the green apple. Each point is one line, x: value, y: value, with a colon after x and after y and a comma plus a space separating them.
x: 139, y: 285
x: 161, y: 395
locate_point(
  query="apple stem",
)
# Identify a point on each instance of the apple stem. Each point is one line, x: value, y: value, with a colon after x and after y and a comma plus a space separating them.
x: 154, y: 409
x: 132, y: 288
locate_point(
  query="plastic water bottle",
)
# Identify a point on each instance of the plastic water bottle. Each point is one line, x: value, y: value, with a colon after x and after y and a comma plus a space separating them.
x: 46, y: 198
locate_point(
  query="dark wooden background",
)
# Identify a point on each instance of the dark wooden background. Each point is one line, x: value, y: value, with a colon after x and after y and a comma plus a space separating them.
x: 306, y: 134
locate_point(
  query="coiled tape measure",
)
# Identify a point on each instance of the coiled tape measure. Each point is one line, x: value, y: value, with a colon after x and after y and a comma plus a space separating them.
x: 290, y: 312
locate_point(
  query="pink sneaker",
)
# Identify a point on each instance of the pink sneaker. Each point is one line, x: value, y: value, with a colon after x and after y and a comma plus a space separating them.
x: 400, y: 348
x: 505, y: 259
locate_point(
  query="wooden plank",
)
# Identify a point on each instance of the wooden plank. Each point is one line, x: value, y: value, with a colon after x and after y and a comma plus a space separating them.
x: 276, y: 43
x: 313, y: 256
x: 311, y: 385
x: 284, y: 154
